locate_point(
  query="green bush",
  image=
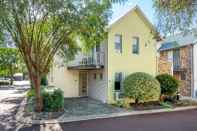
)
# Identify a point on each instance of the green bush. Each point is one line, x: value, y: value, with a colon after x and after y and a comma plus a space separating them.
x: 169, y: 85
x: 44, y: 81
x: 31, y: 93
x: 142, y: 87
x: 53, y: 99
x: 4, y: 83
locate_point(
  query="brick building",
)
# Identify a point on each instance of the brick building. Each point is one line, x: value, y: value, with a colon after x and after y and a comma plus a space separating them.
x: 178, y: 57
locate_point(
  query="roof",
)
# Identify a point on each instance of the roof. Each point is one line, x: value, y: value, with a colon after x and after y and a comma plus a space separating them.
x: 124, y: 14
x: 179, y: 40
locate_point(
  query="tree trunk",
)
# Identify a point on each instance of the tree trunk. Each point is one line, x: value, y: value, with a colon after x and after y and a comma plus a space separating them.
x: 31, y: 80
x: 36, y: 83
x: 11, y: 75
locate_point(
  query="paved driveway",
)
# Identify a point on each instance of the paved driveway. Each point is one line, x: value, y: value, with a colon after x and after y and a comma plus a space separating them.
x: 174, y: 121
x: 9, y: 101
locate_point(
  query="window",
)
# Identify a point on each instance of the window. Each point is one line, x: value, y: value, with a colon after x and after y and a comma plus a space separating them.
x: 118, y: 81
x: 135, y: 45
x: 98, y: 48
x: 176, y: 59
x: 95, y: 76
x: 170, y: 56
x: 101, y: 76
x: 183, y: 76
x: 118, y: 43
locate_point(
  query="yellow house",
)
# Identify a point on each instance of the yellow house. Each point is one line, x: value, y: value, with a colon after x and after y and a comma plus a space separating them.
x: 130, y: 48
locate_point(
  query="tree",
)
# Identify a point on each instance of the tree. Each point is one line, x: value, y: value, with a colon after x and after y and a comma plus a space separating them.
x: 9, y: 58
x: 175, y: 15
x: 1, y: 38
x: 42, y: 29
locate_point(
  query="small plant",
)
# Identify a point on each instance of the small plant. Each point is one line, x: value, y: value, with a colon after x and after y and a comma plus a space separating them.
x: 119, y: 103
x: 169, y: 85
x: 124, y: 103
x: 165, y: 104
x: 141, y: 87
x: 53, y: 99
x: 31, y: 93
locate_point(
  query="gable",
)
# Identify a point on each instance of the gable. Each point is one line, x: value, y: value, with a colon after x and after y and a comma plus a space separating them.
x: 140, y: 14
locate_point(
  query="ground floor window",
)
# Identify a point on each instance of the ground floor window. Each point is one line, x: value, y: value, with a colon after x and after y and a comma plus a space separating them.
x: 118, y: 81
x: 183, y: 76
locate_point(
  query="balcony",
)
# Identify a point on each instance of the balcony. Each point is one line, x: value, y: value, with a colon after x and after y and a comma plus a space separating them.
x: 87, y: 62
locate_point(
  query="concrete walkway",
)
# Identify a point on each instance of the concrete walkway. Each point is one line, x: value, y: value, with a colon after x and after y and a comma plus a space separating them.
x: 10, y: 99
x: 75, y: 107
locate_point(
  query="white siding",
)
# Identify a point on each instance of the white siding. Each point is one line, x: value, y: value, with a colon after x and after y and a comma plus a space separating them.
x: 195, y: 68
x: 97, y: 87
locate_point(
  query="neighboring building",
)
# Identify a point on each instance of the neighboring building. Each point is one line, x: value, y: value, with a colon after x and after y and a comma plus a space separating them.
x: 130, y: 48
x: 7, y: 42
x: 178, y: 56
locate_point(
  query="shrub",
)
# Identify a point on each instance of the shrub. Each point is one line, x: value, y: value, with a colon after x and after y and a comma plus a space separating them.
x: 31, y: 93
x: 4, y: 83
x: 44, y: 81
x: 53, y: 99
x: 169, y: 85
x: 142, y: 87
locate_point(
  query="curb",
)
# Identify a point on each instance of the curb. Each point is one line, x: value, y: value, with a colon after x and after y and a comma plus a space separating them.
x: 114, y: 115
x: 21, y: 119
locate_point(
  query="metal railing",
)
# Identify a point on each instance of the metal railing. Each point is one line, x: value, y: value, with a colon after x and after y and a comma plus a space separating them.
x: 93, y: 59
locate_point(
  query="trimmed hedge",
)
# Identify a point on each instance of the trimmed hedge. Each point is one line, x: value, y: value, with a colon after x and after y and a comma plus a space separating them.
x: 142, y: 87
x: 169, y: 85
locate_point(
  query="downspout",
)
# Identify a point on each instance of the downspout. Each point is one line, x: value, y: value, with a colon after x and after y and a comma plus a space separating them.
x: 192, y: 72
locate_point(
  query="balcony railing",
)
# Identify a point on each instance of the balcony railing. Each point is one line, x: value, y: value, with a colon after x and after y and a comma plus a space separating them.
x: 94, y: 61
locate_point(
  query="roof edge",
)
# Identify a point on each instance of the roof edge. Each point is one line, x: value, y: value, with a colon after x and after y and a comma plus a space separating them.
x: 135, y: 8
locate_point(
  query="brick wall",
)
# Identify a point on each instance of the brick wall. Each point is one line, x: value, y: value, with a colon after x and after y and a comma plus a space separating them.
x: 164, y: 65
x: 186, y: 61
x: 184, y: 75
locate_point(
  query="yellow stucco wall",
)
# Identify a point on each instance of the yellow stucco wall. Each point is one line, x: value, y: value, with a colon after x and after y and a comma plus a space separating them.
x: 67, y: 80
x: 131, y: 25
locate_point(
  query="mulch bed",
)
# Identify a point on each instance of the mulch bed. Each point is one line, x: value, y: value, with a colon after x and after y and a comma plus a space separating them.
x: 29, y: 111
x: 162, y: 105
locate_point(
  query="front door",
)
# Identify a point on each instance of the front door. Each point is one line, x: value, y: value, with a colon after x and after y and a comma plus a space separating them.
x: 83, y: 83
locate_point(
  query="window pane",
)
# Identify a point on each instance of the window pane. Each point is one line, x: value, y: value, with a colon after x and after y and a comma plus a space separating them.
x: 101, y: 76
x: 135, y: 45
x: 118, y: 81
x: 118, y: 43
x: 95, y: 76
x: 97, y: 48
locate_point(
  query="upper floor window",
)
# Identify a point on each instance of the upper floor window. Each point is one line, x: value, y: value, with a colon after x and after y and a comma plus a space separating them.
x: 176, y: 59
x: 118, y: 43
x: 135, y: 45
x: 98, y: 48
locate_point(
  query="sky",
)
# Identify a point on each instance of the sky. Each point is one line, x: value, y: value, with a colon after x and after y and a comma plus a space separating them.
x: 145, y: 5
